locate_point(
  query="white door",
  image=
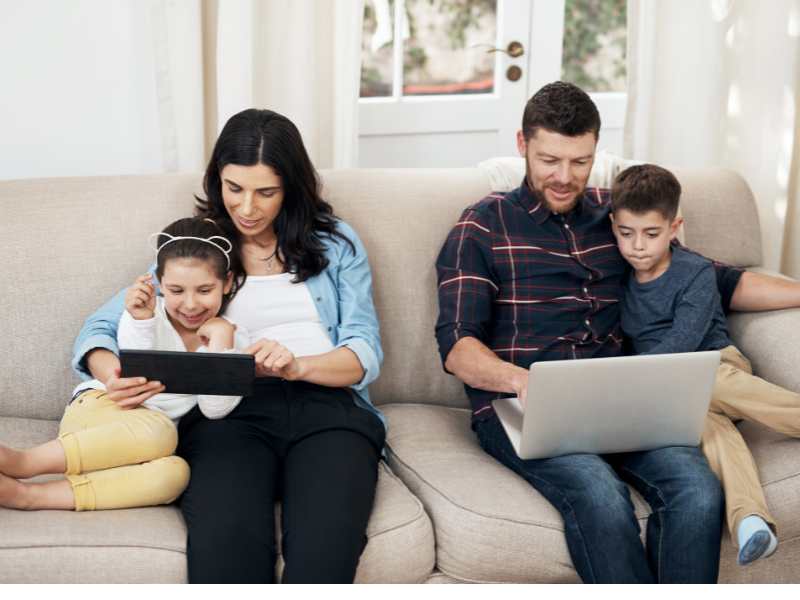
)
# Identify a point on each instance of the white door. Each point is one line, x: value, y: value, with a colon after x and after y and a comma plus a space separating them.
x: 444, y: 82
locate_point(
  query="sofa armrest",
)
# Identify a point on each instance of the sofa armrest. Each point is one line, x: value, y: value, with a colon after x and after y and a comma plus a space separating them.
x: 771, y: 340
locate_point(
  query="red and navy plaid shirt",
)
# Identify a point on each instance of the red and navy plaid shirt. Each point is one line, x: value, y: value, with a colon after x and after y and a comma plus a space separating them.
x: 533, y: 285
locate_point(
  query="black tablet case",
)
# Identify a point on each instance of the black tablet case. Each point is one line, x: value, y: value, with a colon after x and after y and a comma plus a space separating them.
x: 192, y: 372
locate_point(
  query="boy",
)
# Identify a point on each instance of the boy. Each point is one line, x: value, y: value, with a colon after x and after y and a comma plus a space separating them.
x: 671, y: 304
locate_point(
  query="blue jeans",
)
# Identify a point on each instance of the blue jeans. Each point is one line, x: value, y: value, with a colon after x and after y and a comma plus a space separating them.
x: 683, y: 531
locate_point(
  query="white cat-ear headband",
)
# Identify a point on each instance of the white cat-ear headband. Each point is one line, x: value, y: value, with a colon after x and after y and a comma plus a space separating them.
x: 154, y: 238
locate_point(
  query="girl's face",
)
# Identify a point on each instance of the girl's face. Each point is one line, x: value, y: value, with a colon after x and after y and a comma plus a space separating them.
x: 192, y: 292
x: 253, y: 197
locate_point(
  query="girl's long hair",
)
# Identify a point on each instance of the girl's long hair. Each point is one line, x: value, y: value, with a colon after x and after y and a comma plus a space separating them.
x: 265, y: 137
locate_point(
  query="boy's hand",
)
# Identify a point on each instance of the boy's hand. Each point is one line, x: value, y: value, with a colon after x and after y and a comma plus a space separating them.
x: 140, y: 300
x: 217, y: 334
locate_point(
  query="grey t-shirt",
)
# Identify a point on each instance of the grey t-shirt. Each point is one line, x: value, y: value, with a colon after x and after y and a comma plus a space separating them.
x: 680, y: 311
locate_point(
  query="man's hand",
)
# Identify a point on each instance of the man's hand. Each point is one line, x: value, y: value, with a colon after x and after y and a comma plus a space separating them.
x: 130, y: 392
x: 140, y: 299
x: 274, y: 360
x: 217, y: 334
x: 519, y: 383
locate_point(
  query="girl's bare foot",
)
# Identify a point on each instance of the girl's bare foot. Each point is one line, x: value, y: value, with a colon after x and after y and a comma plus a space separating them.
x: 49, y: 495
x: 10, y: 461
x: 12, y: 493
x: 23, y: 464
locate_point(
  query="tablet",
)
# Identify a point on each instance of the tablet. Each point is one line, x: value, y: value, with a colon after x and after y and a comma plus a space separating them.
x: 192, y: 372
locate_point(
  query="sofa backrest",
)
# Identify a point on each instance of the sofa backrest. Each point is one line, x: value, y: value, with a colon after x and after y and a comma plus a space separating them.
x: 72, y: 243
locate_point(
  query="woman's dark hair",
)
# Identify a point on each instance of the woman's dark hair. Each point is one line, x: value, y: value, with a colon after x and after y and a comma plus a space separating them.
x: 212, y: 253
x: 265, y: 137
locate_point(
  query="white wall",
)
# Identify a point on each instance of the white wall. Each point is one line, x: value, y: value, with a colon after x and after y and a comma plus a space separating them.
x: 99, y: 87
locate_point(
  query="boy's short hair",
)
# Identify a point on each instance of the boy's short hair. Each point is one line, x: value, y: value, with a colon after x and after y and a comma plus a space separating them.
x: 563, y: 108
x: 642, y: 188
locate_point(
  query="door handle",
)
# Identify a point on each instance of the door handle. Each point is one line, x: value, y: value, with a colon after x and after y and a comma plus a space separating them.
x: 514, y: 49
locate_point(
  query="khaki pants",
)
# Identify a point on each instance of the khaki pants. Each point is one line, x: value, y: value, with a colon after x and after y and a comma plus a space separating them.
x: 738, y: 394
x: 120, y: 458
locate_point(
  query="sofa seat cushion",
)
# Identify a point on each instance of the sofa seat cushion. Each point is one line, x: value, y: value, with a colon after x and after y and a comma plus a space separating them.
x: 147, y: 545
x: 778, y: 460
x: 491, y: 526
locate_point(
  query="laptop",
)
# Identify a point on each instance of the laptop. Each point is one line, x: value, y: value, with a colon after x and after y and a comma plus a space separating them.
x: 607, y: 405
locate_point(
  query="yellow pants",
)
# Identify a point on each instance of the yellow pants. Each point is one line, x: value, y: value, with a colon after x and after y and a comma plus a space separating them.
x: 120, y: 458
x: 738, y: 394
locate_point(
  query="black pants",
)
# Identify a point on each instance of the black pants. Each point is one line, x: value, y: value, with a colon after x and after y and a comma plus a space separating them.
x: 307, y: 445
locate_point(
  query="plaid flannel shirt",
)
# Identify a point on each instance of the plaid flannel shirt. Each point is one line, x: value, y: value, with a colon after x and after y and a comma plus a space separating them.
x: 533, y: 285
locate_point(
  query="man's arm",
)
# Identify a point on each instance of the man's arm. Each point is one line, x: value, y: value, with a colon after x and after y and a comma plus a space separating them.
x: 477, y: 366
x: 756, y: 291
x: 467, y: 288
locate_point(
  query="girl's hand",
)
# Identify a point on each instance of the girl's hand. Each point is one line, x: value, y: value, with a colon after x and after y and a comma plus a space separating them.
x: 217, y: 334
x: 274, y: 360
x: 130, y: 392
x: 140, y: 300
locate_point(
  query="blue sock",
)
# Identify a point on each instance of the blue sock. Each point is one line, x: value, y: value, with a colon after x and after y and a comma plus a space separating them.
x: 755, y: 538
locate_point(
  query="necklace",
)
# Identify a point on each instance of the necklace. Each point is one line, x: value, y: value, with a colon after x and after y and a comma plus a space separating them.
x: 270, y: 260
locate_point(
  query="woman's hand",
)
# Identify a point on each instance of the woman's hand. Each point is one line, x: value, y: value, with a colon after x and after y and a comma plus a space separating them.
x: 130, y: 392
x: 217, y: 334
x: 140, y: 300
x: 274, y: 360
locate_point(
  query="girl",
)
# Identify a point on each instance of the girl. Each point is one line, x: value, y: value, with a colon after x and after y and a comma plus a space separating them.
x: 310, y: 436
x: 118, y: 458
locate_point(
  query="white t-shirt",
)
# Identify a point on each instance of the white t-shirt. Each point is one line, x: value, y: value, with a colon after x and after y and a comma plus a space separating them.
x: 274, y: 308
x: 159, y: 334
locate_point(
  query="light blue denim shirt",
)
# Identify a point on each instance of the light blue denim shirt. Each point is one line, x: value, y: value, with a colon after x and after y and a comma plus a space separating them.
x: 343, y: 296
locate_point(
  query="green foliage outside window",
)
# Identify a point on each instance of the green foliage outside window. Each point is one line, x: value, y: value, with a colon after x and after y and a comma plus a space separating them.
x: 595, y: 44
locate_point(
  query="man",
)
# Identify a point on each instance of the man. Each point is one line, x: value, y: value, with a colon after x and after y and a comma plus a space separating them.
x: 534, y: 274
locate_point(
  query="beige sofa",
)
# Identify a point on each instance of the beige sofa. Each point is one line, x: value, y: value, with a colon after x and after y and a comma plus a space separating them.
x: 444, y: 510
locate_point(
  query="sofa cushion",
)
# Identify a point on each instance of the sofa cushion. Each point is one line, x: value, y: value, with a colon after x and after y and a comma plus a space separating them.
x: 491, y: 526
x: 148, y: 544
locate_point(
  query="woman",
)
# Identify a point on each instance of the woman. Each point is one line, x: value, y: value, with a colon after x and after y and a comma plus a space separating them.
x: 308, y: 435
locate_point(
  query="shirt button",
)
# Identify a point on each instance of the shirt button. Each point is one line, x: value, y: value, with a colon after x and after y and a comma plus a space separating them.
x: 319, y: 298
x: 329, y: 328
x: 585, y: 291
x: 566, y: 225
x: 587, y: 322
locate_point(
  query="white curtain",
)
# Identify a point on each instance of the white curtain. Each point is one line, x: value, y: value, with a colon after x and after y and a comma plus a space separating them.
x: 301, y: 58
x: 715, y: 83
x: 107, y: 87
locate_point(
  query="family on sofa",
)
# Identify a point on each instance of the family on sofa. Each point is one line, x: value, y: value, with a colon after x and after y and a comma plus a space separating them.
x: 294, y: 286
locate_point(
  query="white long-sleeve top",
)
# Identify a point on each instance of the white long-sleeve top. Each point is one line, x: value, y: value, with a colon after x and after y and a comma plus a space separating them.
x: 158, y: 333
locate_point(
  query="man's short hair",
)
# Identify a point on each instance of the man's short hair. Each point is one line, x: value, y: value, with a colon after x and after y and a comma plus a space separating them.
x: 642, y: 188
x: 562, y: 108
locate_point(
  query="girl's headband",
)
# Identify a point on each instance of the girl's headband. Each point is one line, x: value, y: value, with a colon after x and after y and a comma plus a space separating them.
x: 156, y: 248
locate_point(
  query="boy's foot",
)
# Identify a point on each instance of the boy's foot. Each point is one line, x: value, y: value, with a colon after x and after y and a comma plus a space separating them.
x: 756, y: 539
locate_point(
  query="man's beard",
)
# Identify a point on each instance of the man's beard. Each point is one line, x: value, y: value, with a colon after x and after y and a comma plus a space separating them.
x: 540, y: 195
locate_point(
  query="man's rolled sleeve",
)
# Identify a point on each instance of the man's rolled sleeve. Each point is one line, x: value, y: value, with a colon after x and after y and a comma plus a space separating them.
x: 466, y: 283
